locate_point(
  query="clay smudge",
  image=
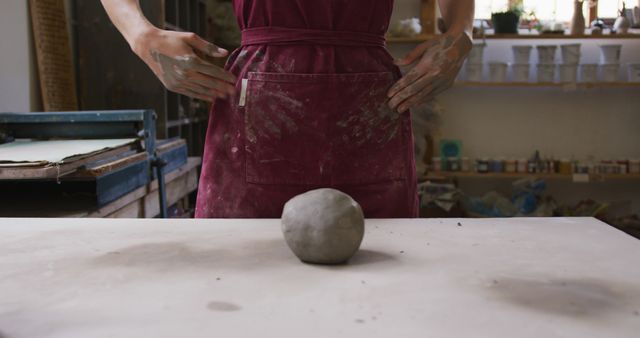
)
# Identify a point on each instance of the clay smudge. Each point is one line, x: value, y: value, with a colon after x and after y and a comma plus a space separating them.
x: 223, y: 306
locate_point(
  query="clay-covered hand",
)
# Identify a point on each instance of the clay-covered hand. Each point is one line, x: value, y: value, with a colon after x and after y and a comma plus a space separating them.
x: 172, y: 57
x: 436, y: 64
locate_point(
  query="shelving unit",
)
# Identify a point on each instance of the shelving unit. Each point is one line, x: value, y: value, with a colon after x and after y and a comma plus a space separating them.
x: 112, y: 77
x: 423, y: 38
x: 575, y: 177
x: 578, y: 85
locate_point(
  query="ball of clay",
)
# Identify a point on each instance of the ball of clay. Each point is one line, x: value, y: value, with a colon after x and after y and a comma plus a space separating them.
x: 323, y: 226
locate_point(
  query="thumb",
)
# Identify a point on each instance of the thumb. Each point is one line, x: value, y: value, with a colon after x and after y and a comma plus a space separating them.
x: 195, y: 41
x: 412, y: 56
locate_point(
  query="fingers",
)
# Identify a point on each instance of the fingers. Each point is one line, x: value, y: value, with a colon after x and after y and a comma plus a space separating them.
x: 195, y: 95
x: 411, y: 90
x: 201, y: 90
x: 211, y: 83
x: 413, y: 55
x: 408, y: 79
x: 195, y: 41
x: 207, y: 68
x: 425, y: 95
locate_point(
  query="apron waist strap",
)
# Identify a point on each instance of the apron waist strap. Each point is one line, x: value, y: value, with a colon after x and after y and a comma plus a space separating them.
x: 290, y: 36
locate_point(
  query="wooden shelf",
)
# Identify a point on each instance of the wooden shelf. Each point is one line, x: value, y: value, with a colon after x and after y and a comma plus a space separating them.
x: 423, y: 38
x: 591, y: 177
x: 550, y: 84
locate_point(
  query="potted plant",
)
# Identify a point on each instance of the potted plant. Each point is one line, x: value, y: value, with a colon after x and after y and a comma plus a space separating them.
x: 507, y: 22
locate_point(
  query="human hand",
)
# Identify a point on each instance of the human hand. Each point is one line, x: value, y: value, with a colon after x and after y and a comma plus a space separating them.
x: 173, y: 57
x: 437, y: 63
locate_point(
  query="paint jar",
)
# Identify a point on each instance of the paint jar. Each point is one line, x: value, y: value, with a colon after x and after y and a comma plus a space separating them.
x: 634, y: 72
x: 476, y: 55
x: 482, y: 165
x: 634, y: 166
x: 498, y: 71
x: 623, y: 166
x: 570, y: 54
x: 546, y: 73
x: 565, y: 167
x: 522, y: 165
x: 521, y: 54
x: 465, y: 164
x: 453, y: 164
x: 568, y: 73
x: 607, y: 167
x: 496, y: 165
x: 520, y: 72
x: 474, y: 72
x: 436, y: 164
x: 510, y: 166
x: 546, y: 54
x: 589, y: 72
x: 610, y: 53
x: 609, y: 72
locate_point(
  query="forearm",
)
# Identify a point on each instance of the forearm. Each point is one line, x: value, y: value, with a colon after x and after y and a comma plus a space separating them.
x: 458, y: 16
x: 128, y: 18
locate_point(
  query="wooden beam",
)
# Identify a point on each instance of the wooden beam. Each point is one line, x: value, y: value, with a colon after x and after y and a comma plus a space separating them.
x: 428, y: 17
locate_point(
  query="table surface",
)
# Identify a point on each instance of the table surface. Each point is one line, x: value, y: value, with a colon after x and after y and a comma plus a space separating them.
x: 521, y: 277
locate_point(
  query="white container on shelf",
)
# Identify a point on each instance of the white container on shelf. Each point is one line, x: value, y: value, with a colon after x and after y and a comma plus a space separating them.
x: 522, y: 165
x: 634, y: 72
x: 498, y: 71
x: 474, y: 71
x: 610, y: 54
x: 634, y: 166
x: 546, y: 73
x: 546, y: 54
x: 521, y: 54
x: 436, y: 164
x: 476, y: 55
x: 520, y: 72
x: 571, y: 53
x: 568, y: 73
x: 609, y: 72
x: 589, y: 72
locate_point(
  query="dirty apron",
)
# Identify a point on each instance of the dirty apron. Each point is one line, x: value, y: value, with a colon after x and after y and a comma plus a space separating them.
x: 311, y: 112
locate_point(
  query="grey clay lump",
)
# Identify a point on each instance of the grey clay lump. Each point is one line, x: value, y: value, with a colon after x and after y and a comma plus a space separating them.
x: 323, y: 226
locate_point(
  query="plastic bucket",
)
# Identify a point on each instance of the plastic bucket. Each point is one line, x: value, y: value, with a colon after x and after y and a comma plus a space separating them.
x: 520, y: 72
x: 634, y: 72
x: 609, y: 72
x: 476, y: 55
x: 589, y: 72
x: 546, y: 54
x: 568, y: 73
x: 570, y: 54
x: 474, y: 72
x: 498, y: 72
x: 521, y: 54
x: 610, y: 54
x: 546, y: 72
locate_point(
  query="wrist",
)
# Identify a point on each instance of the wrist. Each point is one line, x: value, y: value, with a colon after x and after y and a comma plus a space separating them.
x: 462, y: 38
x: 139, y: 38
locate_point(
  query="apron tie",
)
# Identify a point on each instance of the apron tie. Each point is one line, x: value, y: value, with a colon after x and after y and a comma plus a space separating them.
x: 290, y: 36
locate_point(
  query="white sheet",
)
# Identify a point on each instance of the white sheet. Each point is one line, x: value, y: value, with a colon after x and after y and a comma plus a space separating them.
x: 30, y: 152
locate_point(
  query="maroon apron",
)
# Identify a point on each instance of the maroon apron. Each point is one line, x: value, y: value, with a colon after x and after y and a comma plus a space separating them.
x: 311, y: 112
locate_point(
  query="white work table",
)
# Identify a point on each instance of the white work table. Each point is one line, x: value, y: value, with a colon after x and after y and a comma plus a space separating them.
x: 237, y: 278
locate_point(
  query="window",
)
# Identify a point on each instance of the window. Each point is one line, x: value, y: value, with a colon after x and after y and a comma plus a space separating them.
x: 610, y: 8
x: 557, y: 10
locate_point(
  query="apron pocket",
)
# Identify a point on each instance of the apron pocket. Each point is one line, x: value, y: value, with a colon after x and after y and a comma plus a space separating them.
x: 321, y: 129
